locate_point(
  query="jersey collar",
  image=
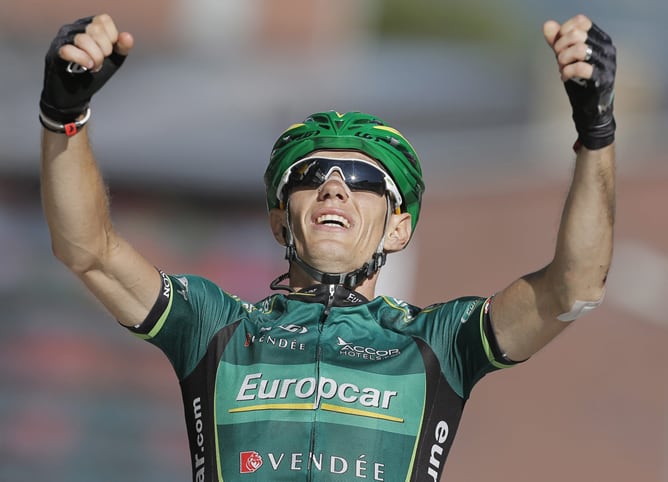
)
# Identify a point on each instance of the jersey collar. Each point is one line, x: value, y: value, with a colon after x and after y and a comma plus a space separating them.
x: 320, y: 293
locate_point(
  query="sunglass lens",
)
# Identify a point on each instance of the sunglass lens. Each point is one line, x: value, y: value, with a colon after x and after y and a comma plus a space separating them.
x: 359, y: 176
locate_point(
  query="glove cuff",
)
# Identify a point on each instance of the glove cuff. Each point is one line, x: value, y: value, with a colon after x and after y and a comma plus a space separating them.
x: 596, y: 136
x: 60, y: 115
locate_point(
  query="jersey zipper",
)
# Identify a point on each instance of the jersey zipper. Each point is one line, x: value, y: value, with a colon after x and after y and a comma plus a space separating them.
x: 330, y: 302
x: 321, y: 324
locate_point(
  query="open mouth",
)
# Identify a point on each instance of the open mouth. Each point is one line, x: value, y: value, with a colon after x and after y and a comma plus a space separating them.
x: 333, y: 220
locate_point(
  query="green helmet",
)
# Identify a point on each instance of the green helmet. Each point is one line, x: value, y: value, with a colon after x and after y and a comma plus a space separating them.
x: 354, y: 131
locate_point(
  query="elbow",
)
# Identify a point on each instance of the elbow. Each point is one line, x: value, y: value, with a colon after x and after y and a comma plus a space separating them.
x: 570, y: 291
x: 579, y: 308
x: 78, y: 263
x: 578, y: 298
x: 78, y: 258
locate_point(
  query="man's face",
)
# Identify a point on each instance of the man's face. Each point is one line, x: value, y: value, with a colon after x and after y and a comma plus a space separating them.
x: 336, y: 229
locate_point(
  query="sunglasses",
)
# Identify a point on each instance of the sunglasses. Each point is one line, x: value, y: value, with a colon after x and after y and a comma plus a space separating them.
x: 358, y: 174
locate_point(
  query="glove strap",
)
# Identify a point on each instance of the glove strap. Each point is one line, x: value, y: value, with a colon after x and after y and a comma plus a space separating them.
x: 69, y: 129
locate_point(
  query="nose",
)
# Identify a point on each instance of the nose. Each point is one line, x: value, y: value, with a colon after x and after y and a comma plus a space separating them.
x: 333, y: 187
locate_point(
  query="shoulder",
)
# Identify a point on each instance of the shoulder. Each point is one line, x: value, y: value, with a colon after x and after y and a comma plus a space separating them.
x: 194, y: 295
x: 462, y: 308
x: 458, y: 310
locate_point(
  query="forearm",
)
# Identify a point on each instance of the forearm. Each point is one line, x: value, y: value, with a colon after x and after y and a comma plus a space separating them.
x: 75, y: 200
x: 585, y: 241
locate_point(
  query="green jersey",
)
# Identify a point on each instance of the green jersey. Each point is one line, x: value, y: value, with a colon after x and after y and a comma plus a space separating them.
x: 321, y: 384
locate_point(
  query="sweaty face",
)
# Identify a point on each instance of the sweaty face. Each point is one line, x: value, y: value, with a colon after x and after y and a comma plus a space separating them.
x: 335, y: 228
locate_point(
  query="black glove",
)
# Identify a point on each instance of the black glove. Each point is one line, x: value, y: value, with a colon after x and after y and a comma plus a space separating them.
x: 592, y: 99
x: 67, y: 88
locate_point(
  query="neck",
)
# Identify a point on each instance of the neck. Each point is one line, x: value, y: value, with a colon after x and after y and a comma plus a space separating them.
x: 300, y: 280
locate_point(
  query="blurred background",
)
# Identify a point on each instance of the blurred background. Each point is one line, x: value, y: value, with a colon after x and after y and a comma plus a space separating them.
x: 183, y: 134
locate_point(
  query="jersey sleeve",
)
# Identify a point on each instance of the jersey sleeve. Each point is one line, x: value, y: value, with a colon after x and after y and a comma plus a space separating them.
x: 185, y: 317
x: 464, y: 338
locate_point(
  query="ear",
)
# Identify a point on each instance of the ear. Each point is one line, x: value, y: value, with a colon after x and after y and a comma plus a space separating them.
x: 278, y: 222
x: 399, y: 231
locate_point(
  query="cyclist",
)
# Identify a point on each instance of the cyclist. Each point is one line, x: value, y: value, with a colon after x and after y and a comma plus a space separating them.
x: 327, y: 381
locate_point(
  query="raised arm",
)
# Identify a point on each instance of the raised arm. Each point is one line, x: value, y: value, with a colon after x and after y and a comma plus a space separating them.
x: 537, y: 307
x: 74, y: 196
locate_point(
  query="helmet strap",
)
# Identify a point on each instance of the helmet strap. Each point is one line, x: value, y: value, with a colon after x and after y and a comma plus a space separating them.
x: 351, y: 279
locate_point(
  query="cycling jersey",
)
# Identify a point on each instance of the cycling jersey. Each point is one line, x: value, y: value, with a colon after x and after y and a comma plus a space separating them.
x: 320, y: 384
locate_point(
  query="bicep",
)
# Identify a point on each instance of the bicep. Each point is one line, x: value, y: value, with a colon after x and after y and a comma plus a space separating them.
x: 524, y: 316
x: 124, y: 282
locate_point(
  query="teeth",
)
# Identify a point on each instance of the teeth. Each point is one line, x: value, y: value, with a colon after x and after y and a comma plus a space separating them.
x: 333, y: 218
